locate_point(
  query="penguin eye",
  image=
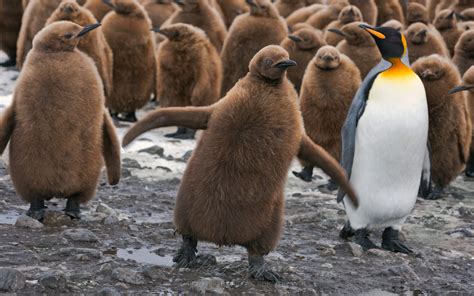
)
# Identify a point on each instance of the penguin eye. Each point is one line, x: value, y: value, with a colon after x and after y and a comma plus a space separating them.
x: 268, y: 62
x: 68, y: 36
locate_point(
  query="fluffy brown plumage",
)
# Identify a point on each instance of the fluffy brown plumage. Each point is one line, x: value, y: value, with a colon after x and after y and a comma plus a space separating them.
x: 422, y: 41
x: 301, y: 15
x: 464, y: 51
x: 287, y: 7
x: 231, y: 9
x: 460, y: 5
x: 468, y: 14
x: 416, y: 13
x: 450, y: 127
x: 93, y: 44
x: 347, y: 15
x: 368, y: 8
x: 98, y: 8
x: 393, y: 24
x: 325, y: 16
x: 232, y: 192
x: 388, y: 10
x: 249, y: 33
x: 159, y: 11
x: 59, y: 131
x: 127, y: 30
x: 446, y: 24
x: 302, y: 45
x: 10, y: 24
x: 33, y: 20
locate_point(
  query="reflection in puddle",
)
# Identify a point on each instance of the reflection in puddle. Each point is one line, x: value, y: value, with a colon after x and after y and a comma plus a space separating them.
x: 145, y: 255
x: 8, y: 218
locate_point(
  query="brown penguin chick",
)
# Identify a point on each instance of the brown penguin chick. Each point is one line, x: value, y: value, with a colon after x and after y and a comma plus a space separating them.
x: 330, y: 83
x: 393, y: 24
x: 347, y: 15
x: 446, y: 24
x: 416, y: 13
x: 24, y: 3
x: 287, y: 7
x: 421, y: 41
x: 468, y: 86
x: 468, y: 14
x: 200, y: 14
x: 461, y: 5
x: 231, y: 9
x: 232, y: 192
x: 432, y: 4
x: 359, y: 47
x: 388, y: 10
x: 302, y: 45
x: 450, y: 127
x: 189, y: 71
x: 368, y: 9
x: 10, y: 24
x: 301, y: 15
x: 59, y: 131
x: 159, y: 11
x: 93, y: 44
x: 325, y: 16
x: 98, y: 8
x: 249, y: 33
x: 127, y: 31
x: 300, y: 26
x: 464, y: 51
x: 33, y: 20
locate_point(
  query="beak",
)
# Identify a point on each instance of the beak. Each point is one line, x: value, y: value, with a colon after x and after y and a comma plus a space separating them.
x: 461, y: 88
x: 251, y: 3
x: 422, y: 32
x: 68, y: 9
x: 373, y: 31
x: 327, y: 58
x: 285, y: 64
x: 163, y: 32
x: 108, y: 2
x: 295, y: 38
x: 179, y: 2
x: 352, y: 10
x: 338, y: 32
x: 87, y: 29
x: 460, y: 16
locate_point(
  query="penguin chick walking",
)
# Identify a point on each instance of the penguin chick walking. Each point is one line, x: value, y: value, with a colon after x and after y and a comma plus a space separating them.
x: 249, y: 33
x: 330, y: 82
x: 468, y: 86
x: 446, y: 24
x: 384, y: 145
x: 10, y: 24
x: 189, y: 71
x: 358, y: 46
x: 389, y: 10
x: 348, y: 14
x: 92, y: 44
x: 287, y: 7
x: 59, y: 140
x: 368, y: 9
x: 98, y: 8
x: 127, y: 31
x: 159, y: 11
x: 450, y: 126
x: 302, y: 45
x: 422, y: 41
x: 34, y: 18
x: 255, y: 128
x: 464, y: 51
x: 200, y: 14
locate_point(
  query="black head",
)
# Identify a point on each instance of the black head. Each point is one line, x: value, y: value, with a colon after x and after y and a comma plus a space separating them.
x: 390, y: 41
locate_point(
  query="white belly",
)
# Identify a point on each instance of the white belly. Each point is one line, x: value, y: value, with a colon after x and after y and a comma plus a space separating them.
x: 390, y: 145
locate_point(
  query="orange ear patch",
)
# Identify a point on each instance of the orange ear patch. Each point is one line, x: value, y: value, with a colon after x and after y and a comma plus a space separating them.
x: 376, y: 33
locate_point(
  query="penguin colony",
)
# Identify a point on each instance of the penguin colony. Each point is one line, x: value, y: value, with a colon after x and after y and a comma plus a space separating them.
x: 327, y: 82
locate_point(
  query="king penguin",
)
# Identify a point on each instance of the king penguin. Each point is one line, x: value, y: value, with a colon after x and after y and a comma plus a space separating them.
x: 384, y: 145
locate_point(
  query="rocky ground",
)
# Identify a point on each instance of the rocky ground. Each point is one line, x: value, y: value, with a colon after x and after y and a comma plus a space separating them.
x: 125, y: 241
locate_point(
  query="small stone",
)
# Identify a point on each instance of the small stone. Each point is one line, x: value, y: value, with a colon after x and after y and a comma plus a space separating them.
x: 213, y: 285
x: 104, y: 208
x: 377, y: 292
x: 53, y: 281
x: 108, y: 292
x: 326, y: 265
x: 11, y: 280
x: 93, y: 253
x: 186, y: 156
x: 28, y: 222
x: 112, y: 219
x: 81, y: 276
x: 350, y: 248
x: 133, y: 228
x: 131, y: 163
x: 378, y: 253
x: 154, y: 272
x: 128, y: 276
x: 80, y: 235
x: 154, y: 150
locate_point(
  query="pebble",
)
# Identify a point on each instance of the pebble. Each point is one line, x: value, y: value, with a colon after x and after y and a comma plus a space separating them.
x: 104, y: 208
x: 128, y: 276
x: 112, y: 219
x: 378, y: 253
x: 80, y: 235
x: 213, y: 285
x: 75, y: 251
x: 186, y: 156
x: 350, y: 248
x: 11, y: 280
x: 28, y: 222
x: 154, y: 150
x: 154, y: 272
x: 108, y: 292
x: 377, y: 292
x: 53, y: 280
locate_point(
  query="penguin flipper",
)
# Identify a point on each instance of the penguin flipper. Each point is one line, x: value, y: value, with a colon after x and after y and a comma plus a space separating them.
x: 190, y: 117
x: 111, y: 150
x: 425, y: 184
x: 316, y: 155
x: 355, y: 113
x: 7, y: 123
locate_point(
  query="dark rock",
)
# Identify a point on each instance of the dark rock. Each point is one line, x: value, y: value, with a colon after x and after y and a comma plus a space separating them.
x: 213, y: 286
x: 28, y: 222
x: 53, y: 280
x: 80, y: 235
x: 11, y: 280
x: 154, y: 150
x: 128, y: 276
x: 108, y: 292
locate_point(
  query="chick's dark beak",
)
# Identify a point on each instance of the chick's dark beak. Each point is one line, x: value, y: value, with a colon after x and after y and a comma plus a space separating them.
x: 295, y: 38
x: 461, y: 88
x: 338, y: 32
x: 108, y: 2
x: 285, y: 64
x: 179, y: 2
x: 88, y: 28
x: 251, y: 3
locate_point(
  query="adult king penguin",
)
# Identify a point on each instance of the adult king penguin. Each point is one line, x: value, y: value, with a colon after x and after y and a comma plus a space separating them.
x: 384, y: 140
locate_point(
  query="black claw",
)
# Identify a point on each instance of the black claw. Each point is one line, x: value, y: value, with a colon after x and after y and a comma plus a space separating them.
x: 182, y: 133
x: 37, y: 210
x: 346, y: 231
x: 306, y: 174
x: 391, y: 242
x: 437, y: 193
x: 259, y: 270
x: 186, y: 255
x: 361, y: 237
x: 73, y: 209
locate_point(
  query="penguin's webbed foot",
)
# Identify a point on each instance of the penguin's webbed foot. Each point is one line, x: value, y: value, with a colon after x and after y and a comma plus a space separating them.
x: 306, y: 174
x: 346, y: 231
x: 437, y: 193
x: 329, y: 186
x: 182, y: 133
x: 37, y: 210
x: 73, y: 209
x: 260, y: 270
x: 186, y: 255
x: 391, y: 242
x: 361, y: 237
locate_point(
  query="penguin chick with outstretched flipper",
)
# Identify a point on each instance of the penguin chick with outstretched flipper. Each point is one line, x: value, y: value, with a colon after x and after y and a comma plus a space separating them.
x: 384, y: 145
x: 232, y: 192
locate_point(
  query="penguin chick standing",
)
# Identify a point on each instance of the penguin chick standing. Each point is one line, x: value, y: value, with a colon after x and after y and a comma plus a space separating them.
x: 416, y: 13
x: 159, y: 11
x: 59, y: 139
x: 10, y: 24
x: 93, y: 44
x: 349, y: 14
x: 384, y: 145
x: 450, y: 126
x: 301, y: 15
x: 368, y: 9
x: 232, y: 192
x: 287, y: 7
x: 231, y: 9
x: 127, y: 31
x: 200, y: 14
x: 189, y: 71
x: 302, y: 45
x: 422, y: 42
x: 388, y: 10
x: 249, y: 33
x: 445, y: 22
x: 464, y: 51
x: 98, y: 8
x: 330, y: 82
